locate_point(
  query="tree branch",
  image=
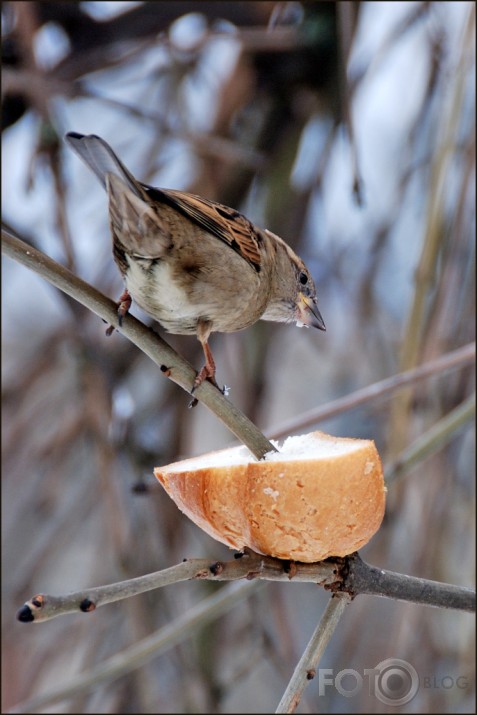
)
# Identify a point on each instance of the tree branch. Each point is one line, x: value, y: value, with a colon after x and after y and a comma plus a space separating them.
x: 252, y: 566
x: 340, y: 575
x: 457, y: 359
x: 306, y: 666
x: 171, y: 364
x: 435, y: 438
x: 129, y: 659
x: 365, y: 579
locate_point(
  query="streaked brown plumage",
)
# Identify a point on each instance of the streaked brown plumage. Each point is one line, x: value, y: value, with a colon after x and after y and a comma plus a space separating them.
x: 195, y: 265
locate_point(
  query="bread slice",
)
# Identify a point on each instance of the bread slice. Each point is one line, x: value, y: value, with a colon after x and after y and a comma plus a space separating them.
x: 318, y: 496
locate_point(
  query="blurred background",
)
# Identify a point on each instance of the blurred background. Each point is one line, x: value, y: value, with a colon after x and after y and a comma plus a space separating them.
x: 347, y: 128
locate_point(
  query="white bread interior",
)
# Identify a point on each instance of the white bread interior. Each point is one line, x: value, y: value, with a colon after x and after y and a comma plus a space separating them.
x: 318, y: 496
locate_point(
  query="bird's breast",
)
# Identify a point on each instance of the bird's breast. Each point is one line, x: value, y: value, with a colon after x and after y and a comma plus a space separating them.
x: 178, y: 299
x: 151, y: 284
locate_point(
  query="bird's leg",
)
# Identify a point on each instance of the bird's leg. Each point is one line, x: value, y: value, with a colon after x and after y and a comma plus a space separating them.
x: 204, y: 328
x: 123, y: 304
x: 208, y: 371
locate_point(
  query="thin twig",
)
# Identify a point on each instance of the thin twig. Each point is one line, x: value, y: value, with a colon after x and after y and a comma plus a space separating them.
x: 434, y: 439
x: 43, y: 607
x: 306, y: 667
x: 144, y: 650
x: 346, y: 13
x: 454, y: 360
x: 171, y: 364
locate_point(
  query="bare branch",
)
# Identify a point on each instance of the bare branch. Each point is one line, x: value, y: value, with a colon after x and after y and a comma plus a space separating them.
x: 207, y: 610
x: 363, y: 578
x: 252, y: 566
x: 434, y: 439
x: 306, y: 666
x: 347, y: 13
x: 441, y: 168
x: 171, y: 364
x: 349, y: 574
x: 457, y: 359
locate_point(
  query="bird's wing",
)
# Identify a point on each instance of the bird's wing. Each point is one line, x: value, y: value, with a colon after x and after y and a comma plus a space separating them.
x: 137, y: 226
x: 224, y: 223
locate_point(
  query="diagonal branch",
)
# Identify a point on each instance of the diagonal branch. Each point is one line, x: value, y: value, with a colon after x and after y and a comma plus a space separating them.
x: 143, y: 651
x: 454, y: 360
x: 171, y: 364
x: 306, y: 667
x: 435, y: 438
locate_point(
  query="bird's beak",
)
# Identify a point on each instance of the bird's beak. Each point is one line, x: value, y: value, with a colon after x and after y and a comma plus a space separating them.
x: 308, y: 313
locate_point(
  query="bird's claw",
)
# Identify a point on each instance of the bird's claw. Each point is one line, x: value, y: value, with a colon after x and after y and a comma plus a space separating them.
x: 201, y: 377
x: 124, y: 303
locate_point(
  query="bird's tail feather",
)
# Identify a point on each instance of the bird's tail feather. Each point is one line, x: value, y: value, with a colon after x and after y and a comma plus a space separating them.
x: 102, y: 160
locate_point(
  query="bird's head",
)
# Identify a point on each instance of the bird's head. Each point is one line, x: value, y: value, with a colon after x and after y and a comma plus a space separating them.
x: 293, y: 293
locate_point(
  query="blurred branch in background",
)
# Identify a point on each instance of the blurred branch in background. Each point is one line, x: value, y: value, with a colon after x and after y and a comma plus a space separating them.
x: 416, y: 332
x: 460, y: 358
x: 433, y: 440
x: 275, y: 109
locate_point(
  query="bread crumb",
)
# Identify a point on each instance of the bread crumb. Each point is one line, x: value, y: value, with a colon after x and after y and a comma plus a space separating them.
x: 271, y: 492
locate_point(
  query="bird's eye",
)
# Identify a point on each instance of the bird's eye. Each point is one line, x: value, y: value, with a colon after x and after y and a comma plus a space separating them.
x: 303, y: 278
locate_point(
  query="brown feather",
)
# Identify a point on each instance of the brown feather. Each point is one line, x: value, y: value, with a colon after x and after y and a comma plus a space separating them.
x: 223, y: 222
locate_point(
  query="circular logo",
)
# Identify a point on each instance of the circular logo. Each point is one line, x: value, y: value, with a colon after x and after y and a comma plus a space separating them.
x: 396, y: 683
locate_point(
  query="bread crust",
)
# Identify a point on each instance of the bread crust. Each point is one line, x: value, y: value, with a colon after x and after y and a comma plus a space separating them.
x: 306, y: 509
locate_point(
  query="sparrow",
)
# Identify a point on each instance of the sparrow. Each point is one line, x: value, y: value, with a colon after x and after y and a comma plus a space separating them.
x: 195, y: 265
